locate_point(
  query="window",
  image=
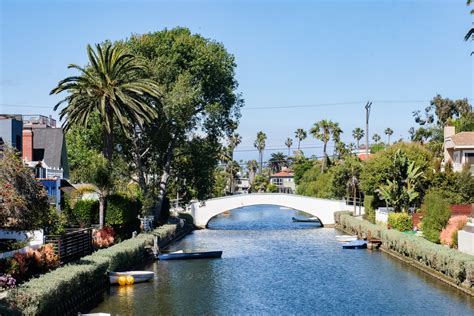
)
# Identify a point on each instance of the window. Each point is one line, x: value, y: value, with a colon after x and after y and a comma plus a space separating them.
x: 277, y: 181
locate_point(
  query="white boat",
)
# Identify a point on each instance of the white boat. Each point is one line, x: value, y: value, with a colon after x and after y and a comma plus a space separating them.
x: 138, y: 276
x: 346, y: 238
x: 95, y: 314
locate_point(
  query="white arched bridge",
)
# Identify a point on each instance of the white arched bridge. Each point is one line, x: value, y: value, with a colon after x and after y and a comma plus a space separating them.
x: 323, y: 209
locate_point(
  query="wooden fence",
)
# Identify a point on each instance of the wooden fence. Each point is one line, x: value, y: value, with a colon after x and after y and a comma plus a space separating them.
x: 72, y: 245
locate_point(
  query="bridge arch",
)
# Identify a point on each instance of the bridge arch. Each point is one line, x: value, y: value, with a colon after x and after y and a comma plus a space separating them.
x: 323, y: 209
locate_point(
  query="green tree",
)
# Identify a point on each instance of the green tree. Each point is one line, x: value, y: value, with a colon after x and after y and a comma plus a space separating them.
x: 288, y: 144
x: 322, y: 130
x: 300, y: 135
x: 436, y: 214
x: 260, y: 145
x: 111, y: 86
x: 252, y: 167
x: 336, y: 132
x: 470, y: 34
x: 376, y: 138
x: 234, y: 141
x: 278, y: 161
x: 23, y: 201
x: 196, y: 77
x: 358, y: 133
x: 388, y: 132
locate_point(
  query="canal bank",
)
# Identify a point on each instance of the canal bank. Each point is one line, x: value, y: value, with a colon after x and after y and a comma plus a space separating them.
x: 272, y: 265
x: 81, y: 285
x: 447, y: 265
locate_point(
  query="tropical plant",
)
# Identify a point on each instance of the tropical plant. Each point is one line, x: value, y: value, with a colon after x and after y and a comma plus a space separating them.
x: 260, y: 145
x: 469, y: 35
x: 234, y: 141
x: 300, y: 135
x: 358, y: 133
x: 278, y: 161
x: 252, y: 167
x: 113, y: 86
x: 288, y: 144
x: 322, y: 130
x: 376, y: 138
x: 336, y: 132
x: 388, y: 132
x: 401, y: 192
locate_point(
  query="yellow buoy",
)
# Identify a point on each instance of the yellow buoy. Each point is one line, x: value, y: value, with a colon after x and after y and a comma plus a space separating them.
x: 130, y: 280
x: 122, y: 280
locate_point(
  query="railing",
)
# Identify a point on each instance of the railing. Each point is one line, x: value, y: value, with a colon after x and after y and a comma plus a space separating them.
x: 72, y: 245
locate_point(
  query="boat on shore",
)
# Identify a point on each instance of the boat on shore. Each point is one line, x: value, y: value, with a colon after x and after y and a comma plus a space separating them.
x: 130, y: 277
x: 190, y: 255
x: 346, y: 238
x: 305, y: 219
x: 356, y: 244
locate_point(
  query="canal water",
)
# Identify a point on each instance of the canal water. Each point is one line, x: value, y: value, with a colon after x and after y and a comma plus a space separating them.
x: 271, y: 265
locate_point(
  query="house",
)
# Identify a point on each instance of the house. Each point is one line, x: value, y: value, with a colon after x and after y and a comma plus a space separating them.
x: 284, y: 180
x: 242, y: 185
x: 11, y: 129
x: 458, y: 149
x: 44, y: 151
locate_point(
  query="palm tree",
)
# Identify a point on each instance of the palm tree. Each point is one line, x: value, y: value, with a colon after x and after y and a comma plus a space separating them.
x: 234, y: 141
x: 470, y: 34
x: 358, y: 133
x: 252, y: 166
x: 376, y: 138
x: 111, y: 86
x: 289, y: 143
x: 322, y: 130
x: 388, y: 132
x: 260, y: 145
x: 336, y: 132
x: 233, y: 168
x: 300, y: 135
x: 278, y: 161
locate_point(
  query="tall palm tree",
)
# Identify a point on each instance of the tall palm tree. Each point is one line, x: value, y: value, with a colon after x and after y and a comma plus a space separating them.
x: 252, y: 166
x: 358, y: 133
x: 278, y: 161
x: 289, y: 143
x: 376, y: 138
x: 336, y: 132
x: 234, y: 141
x: 470, y: 34
x: 388, y: 132
x: 300, y: 135
x: 260, y: 145
x: 322, y: 130
x: 112, y: 86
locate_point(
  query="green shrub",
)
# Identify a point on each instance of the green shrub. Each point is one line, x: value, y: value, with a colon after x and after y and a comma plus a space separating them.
x: 188, y: 218
x: 52, y: 293
x: 436, y: 214
x: 84, y: 213
x: 338, y: 214
x: 122, y: 214
x: 457, y: 266
x: 369, y: 208
x: 400, y: 221
x: 272, y: 188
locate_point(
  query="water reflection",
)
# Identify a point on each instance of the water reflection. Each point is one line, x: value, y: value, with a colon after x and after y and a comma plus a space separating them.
x: 271, y: 265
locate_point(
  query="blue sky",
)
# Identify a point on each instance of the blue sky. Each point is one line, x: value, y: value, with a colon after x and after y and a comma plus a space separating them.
x: 289, y: 53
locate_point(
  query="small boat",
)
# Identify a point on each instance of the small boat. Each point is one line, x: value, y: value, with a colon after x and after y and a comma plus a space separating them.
x: 346, y: 238
x: 306, y: 219
x: 137, y: 276
x: 95, y: 314
x: 190, y: 255
x: 356, y: 244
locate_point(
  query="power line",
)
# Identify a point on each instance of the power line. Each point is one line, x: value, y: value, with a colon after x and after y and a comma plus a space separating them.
x: 283, y: 148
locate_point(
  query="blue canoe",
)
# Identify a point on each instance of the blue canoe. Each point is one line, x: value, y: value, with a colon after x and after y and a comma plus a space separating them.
x: 356, y: 244
x: 190, y: 255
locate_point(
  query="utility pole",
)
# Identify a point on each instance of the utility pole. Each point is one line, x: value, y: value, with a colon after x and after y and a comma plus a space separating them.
x: 367, y: 115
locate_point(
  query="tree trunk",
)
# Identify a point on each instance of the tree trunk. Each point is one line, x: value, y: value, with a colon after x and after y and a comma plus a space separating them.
x: 299, y: 142
x: 324, y: 158
x: 101, y: 210
x: 261, y: 162
x: 108, y: 139
x: 164, y: 178
x: 389, y: 140
x: 141, y: 174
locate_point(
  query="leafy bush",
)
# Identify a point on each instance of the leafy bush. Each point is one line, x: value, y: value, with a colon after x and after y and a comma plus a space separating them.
x: 369, y: 208
x: 85, y: 213
x: 122, y: 214
x: 188, y: 218
x: 104, y: 237
x: 400, y: 221
x: 6, y: 282
x: 56, y: 222
x: 455, y: 265
x: 47, y: 294
x: 272, y: 188
x: 436, y: 214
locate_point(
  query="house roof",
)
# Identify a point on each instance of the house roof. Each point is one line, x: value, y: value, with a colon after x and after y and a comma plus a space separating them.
x: 54, y: 145
x: 463, y: 139
x: 363, y: 156
x: 282, y: 174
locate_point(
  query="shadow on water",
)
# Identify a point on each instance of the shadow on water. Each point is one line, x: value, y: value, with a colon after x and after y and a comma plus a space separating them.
x: 271, y: 265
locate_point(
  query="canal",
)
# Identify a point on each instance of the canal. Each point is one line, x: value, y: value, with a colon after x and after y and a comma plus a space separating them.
x: 271, y: 265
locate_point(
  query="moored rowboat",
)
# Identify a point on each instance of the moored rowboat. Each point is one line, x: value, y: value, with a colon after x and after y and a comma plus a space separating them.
x: 190, y: 255
x: 356, y: 244
x: 346, y: 238
x: 305, y: 219
x: 138, y: 276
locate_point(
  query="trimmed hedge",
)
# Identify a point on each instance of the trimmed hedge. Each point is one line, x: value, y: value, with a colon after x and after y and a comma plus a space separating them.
x: 455, y: 265
x: 64, y: 290
x: 122, y: 214
x: 400, y: 221
x: 84, y: 213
